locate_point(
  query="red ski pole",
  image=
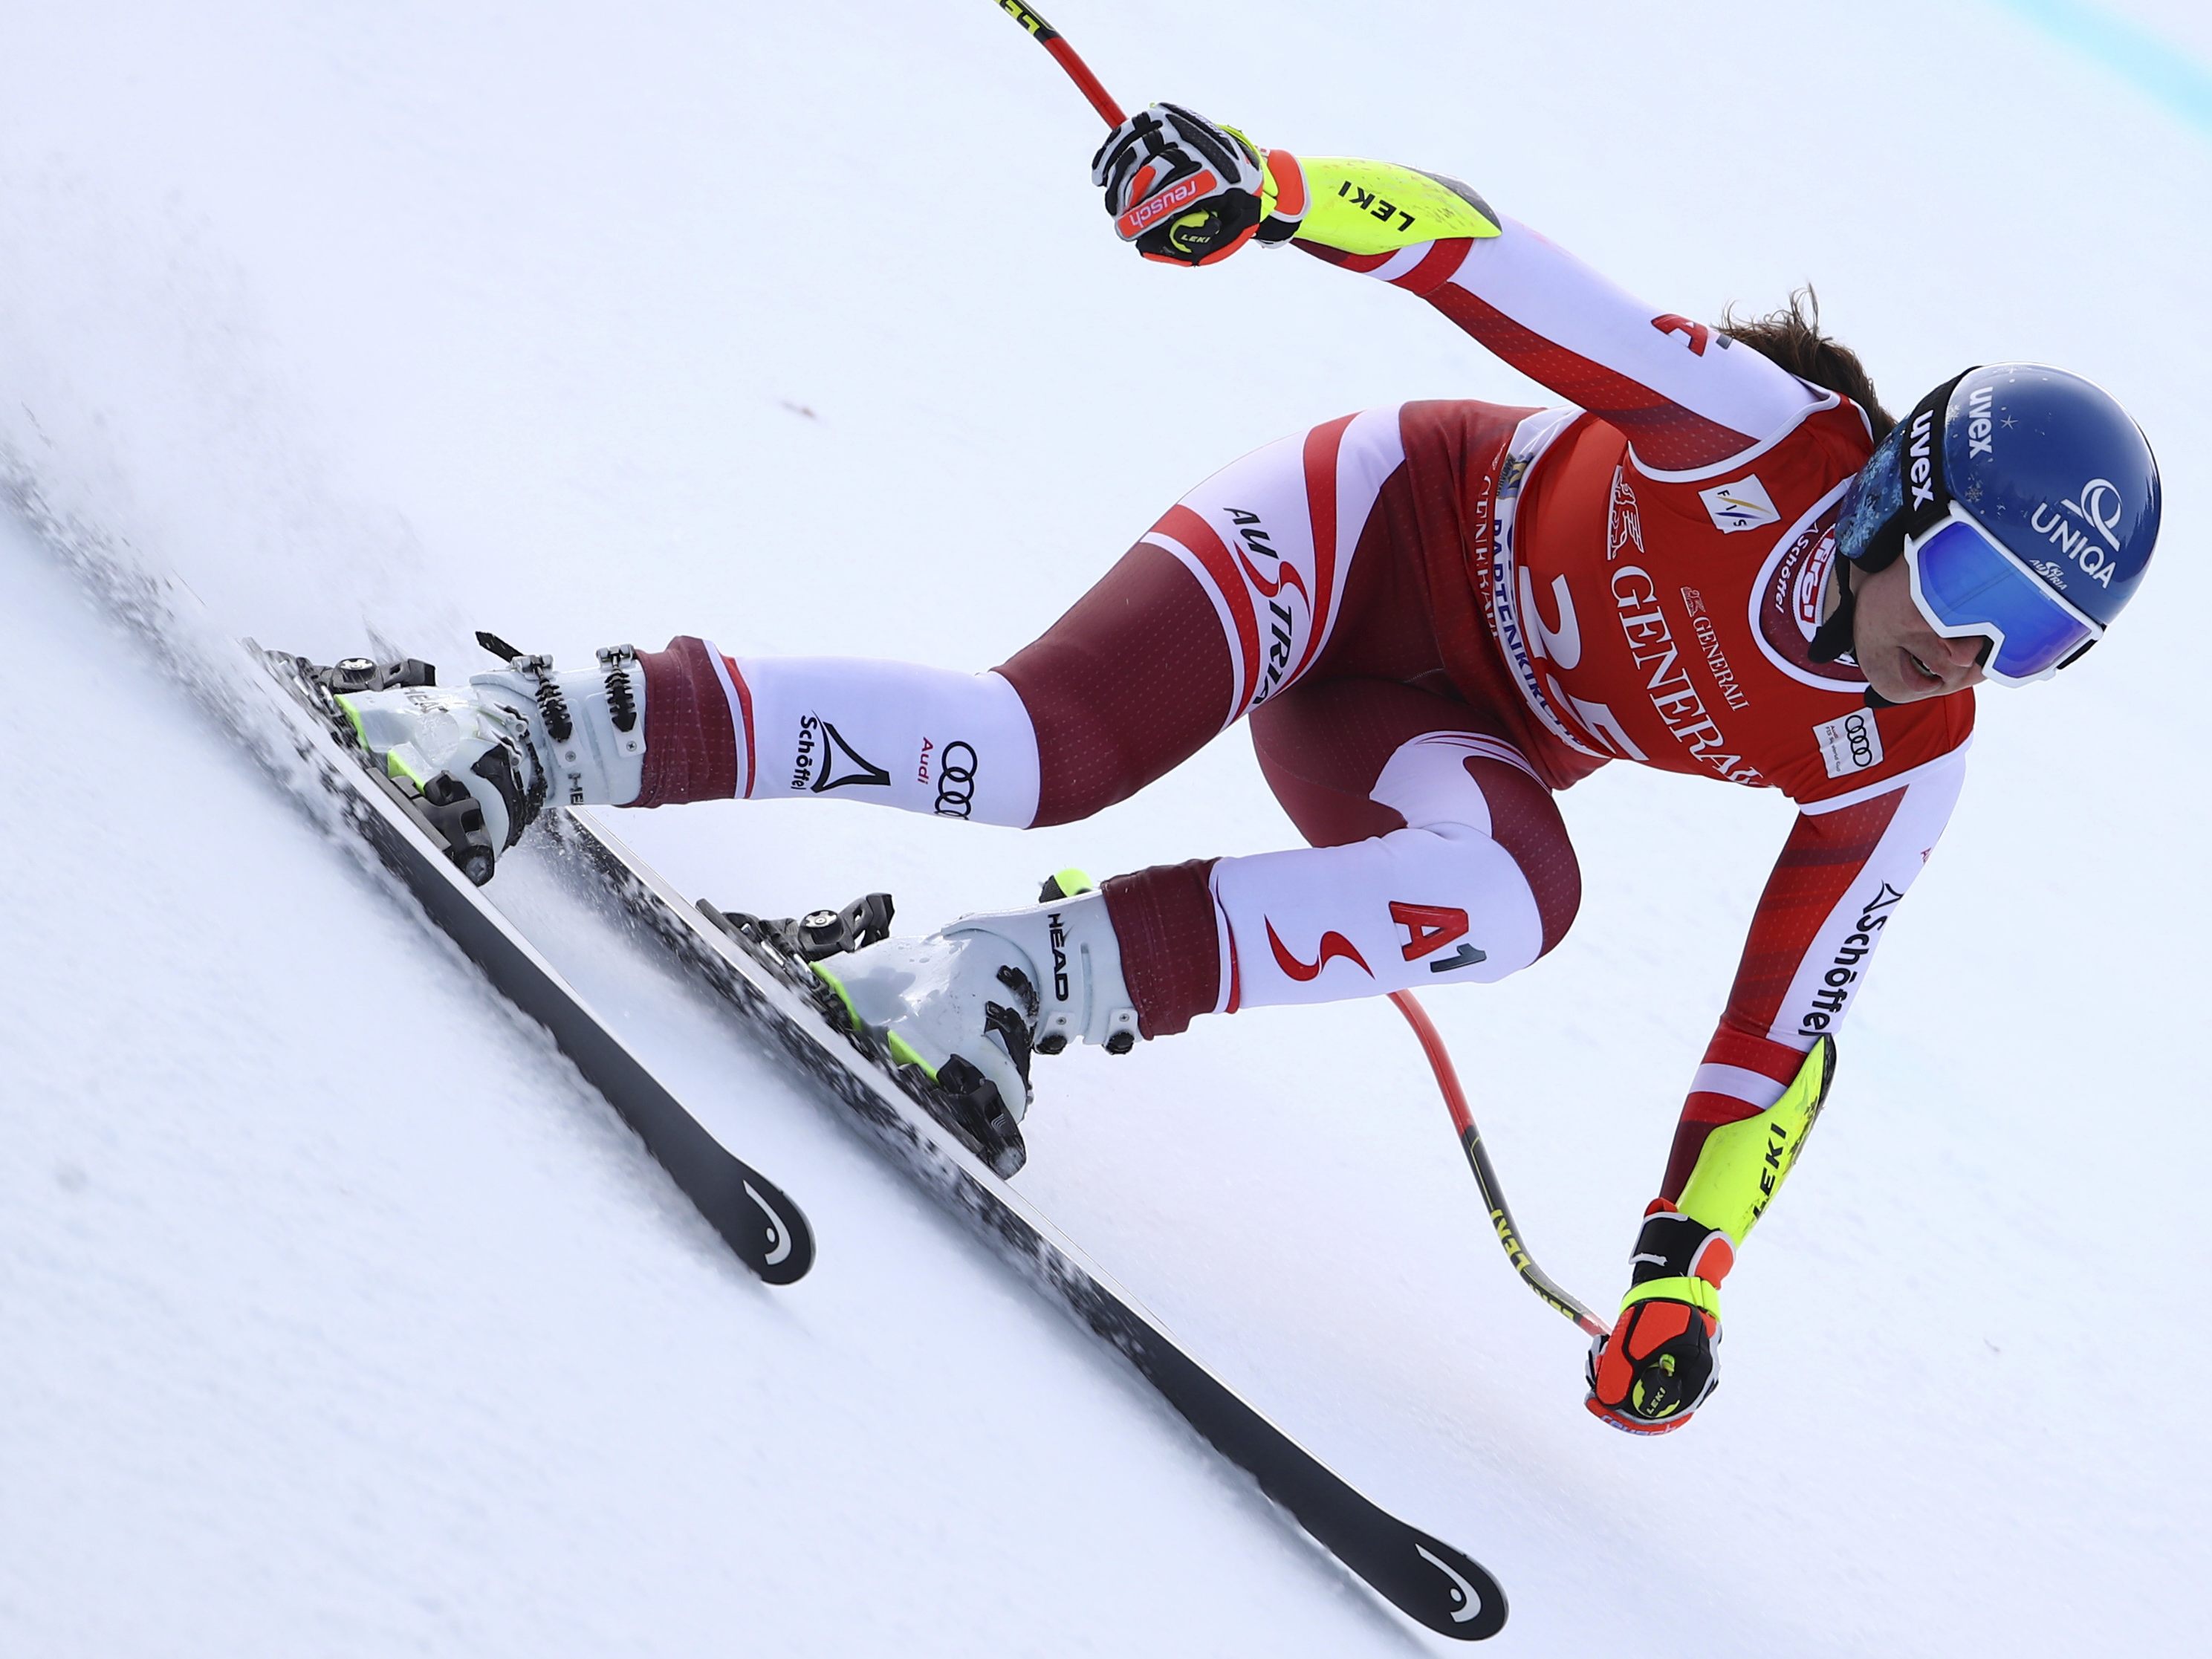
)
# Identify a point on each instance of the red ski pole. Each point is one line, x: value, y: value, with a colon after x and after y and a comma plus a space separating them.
x: 1486, y: 1177
x: 1078, y: 70
x: 1432, y: 1043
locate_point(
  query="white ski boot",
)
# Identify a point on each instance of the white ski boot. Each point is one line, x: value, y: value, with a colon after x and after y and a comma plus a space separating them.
x: 510, y: 741
x: 983, y: 992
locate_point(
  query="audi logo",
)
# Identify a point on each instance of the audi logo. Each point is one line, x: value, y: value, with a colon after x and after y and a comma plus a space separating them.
x: 956, y: 780
x: 1862, y: 745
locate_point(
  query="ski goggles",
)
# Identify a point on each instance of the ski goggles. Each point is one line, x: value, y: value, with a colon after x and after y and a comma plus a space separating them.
x: 1966, y: 582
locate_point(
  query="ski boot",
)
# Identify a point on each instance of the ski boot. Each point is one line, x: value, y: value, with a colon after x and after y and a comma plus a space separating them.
x: 959, y: 1011
x: 479, y: 764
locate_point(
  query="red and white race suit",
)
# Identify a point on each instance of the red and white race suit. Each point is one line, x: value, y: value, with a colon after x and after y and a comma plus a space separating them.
x: 1435, y: 617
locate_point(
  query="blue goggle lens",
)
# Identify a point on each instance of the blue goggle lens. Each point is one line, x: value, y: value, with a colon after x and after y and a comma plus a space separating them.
x: 1966, y: 584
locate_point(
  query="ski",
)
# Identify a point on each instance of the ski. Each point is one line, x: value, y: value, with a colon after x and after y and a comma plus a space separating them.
x: 758, y: 971
x: 423, y: 839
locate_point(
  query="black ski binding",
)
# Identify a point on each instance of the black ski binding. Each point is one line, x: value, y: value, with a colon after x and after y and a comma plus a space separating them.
x: 961, y: 1098
x: 969, y: 1103
x: 816, y: 935
x: 445, y: 810
x: 351, y: 674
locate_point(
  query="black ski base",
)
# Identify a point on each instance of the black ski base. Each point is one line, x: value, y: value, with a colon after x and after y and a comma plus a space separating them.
x: 428, y: 841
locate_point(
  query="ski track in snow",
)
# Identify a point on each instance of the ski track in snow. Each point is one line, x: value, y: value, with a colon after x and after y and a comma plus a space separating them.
x: 337, y: 1316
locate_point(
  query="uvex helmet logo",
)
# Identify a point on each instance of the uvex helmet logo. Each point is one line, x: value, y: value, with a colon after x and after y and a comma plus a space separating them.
x: 1921, y: 475
x: 1981, y: 427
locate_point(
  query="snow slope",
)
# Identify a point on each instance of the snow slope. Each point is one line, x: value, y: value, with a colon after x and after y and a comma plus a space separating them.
x: 337, y: 1316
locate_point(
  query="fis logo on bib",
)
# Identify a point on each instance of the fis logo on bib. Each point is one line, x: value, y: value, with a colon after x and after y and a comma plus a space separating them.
x: 1743, y: 505
x: 1850, y: 745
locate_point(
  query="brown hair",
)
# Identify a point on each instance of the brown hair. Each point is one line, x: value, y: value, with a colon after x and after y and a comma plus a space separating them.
x: 1791, y: 337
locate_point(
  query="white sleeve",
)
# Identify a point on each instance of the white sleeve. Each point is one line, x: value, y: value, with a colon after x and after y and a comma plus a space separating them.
x: 1686, y: 396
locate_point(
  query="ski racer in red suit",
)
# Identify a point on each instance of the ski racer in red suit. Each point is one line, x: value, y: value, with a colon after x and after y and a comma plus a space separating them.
x: 1435, y: 617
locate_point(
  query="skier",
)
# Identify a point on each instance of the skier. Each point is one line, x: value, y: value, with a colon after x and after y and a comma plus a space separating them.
x: 1722, y: 558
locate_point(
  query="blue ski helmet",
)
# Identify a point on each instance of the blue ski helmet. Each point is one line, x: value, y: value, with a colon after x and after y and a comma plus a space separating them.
x: 2026, y: 503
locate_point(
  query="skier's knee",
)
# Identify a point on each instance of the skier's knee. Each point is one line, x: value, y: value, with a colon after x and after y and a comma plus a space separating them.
x: 1524, y: 820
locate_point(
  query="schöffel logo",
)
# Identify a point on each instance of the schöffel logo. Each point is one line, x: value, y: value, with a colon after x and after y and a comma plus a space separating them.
x: 822, y: 750
x: 1842, y: 975
x: 1849, y: 744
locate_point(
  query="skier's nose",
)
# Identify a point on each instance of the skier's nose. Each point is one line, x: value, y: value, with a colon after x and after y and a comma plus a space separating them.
x: 1961, y: 655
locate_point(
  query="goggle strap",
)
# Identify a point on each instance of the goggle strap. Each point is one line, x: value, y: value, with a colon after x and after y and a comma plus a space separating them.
x: 1886, y: 544
x: 1932, y: 409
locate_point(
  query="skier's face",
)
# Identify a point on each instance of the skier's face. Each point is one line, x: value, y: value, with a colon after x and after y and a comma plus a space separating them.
x: 1903, y: 658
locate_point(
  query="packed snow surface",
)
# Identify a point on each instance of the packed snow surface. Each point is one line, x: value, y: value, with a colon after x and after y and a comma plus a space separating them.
x: 339, y: 1316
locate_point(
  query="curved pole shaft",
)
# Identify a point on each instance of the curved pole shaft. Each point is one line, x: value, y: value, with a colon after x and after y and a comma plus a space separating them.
x: 1486, y: 1177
